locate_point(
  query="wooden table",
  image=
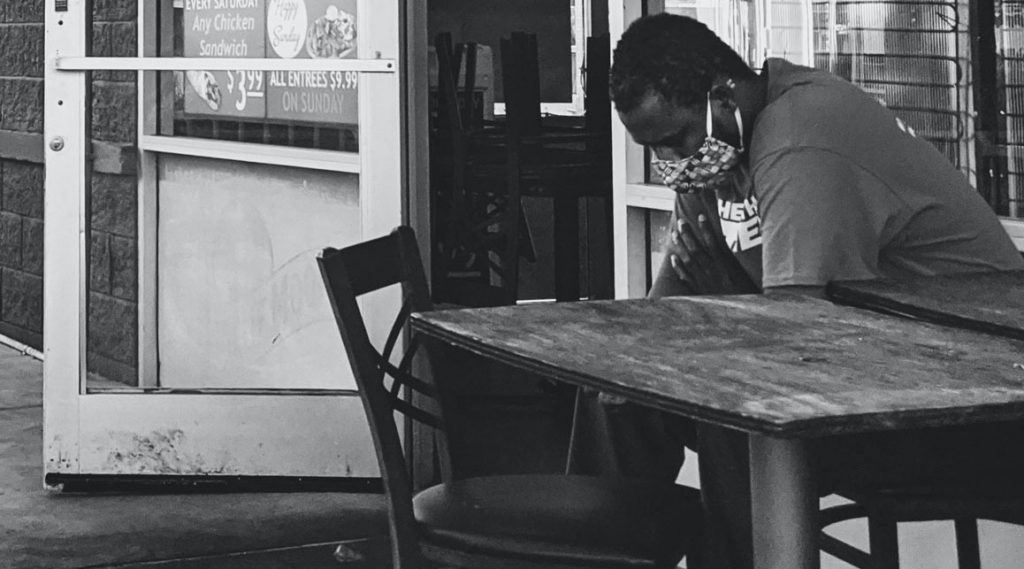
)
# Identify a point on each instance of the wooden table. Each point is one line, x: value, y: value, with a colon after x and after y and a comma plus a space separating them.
x: 987, y: 302
x: 783, y: 370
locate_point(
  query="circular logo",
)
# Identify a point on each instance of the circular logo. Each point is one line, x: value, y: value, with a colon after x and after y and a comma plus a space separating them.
x: 286, y: 27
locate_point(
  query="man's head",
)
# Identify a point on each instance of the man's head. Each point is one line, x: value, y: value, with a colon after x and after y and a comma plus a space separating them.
x: 665, y: 67
x: 676, y: 57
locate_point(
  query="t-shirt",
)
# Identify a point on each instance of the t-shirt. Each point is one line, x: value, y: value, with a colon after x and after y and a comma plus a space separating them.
x: 845, y: 192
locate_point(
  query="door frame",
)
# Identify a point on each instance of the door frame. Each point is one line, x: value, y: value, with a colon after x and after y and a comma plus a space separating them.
x: 74, y: 439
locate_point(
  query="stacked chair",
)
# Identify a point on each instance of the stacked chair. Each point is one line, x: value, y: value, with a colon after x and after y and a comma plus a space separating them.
x: 482, y: 170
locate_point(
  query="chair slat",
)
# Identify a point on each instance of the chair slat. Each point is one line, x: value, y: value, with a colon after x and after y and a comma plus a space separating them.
x: 404, y: 378
x: 396, y: 328
x: 409, y: 410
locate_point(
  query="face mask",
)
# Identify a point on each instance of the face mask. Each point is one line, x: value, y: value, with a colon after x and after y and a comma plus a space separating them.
x: 706, y: 168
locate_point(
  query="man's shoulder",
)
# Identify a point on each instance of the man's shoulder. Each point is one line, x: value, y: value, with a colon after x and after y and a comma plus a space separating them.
x: 784, y: 76
x: 813, y: 109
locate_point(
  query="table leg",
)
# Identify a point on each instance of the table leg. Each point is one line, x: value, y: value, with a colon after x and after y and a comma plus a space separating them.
x: 784, y: 504
x: 567, y: 247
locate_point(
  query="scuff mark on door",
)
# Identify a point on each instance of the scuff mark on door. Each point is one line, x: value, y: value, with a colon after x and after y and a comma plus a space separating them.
x: 160, y: 452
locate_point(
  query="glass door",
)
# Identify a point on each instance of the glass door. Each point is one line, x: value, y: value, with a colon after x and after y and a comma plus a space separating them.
x: 199, y: 154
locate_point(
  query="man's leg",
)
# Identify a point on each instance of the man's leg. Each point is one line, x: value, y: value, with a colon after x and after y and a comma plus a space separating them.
x: 725, y: 492
x: 618, y: 438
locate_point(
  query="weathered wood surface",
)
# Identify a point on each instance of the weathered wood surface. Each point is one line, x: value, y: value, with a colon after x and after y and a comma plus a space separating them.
x: 779, y: 366
x: 988, y: 302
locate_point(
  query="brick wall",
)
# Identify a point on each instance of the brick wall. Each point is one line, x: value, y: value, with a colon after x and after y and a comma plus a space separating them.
x: 21, y: 171
x: 112, y: 314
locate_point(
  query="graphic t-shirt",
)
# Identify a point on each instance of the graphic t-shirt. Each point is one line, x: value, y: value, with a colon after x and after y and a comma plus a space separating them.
x: 741, y: 226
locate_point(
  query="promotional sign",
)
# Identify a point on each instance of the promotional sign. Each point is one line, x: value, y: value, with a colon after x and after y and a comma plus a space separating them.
x: 312, y: 29
x: 286, y: 29
x: 225, y: 28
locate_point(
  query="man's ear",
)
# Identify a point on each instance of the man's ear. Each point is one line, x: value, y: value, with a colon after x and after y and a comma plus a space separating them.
x: 723, y: 92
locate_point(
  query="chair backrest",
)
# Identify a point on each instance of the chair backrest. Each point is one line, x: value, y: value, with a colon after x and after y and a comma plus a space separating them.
x: 348, y: 274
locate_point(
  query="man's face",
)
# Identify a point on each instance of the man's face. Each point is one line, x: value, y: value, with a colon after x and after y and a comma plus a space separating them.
x: 671, y: 131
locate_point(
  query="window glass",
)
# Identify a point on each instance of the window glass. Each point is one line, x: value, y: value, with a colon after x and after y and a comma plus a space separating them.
x: 317, y: 109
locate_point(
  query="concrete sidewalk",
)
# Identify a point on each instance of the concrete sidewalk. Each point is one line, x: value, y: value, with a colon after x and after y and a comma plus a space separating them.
x: 45, y: 530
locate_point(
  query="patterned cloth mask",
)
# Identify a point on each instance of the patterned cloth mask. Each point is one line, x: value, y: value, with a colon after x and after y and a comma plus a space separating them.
x: 706, y: 168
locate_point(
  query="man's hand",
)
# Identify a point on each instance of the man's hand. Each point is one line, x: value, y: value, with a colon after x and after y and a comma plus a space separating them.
x: 704, y: 263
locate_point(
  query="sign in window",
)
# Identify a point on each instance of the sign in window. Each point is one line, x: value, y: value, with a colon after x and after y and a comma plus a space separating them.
x: 297, y: 108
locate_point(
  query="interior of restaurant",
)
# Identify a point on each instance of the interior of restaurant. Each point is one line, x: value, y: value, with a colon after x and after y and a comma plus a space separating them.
x: 551, y: 88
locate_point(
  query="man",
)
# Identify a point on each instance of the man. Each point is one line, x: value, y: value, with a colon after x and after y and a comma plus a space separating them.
x: 839, y: 189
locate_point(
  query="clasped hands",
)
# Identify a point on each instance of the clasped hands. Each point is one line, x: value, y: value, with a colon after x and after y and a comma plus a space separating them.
x: 703, y: 262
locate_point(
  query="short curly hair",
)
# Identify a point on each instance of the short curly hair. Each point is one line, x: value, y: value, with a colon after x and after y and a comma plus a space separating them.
x: 674, y: 56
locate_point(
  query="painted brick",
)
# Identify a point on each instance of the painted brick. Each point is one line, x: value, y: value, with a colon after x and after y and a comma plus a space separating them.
x: 113, y: 111
x: 20, y: 11
x: 123, y: 268
x: 113, y: 204
x: 113, y: 328
x: 21, y: 104
x: 21, y: 51
x: 10, y: 240
x: 114, y: 10
x: 23, y: 188
x: 22, y: 302
x: 99, y: 262
x: 32, y: 246
x: 114, y: 39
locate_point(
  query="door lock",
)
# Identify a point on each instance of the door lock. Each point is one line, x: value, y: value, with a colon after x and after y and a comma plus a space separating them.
x: 57, y: 144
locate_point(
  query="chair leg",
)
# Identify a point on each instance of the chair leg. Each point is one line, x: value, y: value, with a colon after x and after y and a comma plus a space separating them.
x: 968, y: 550
x: 884, y: 542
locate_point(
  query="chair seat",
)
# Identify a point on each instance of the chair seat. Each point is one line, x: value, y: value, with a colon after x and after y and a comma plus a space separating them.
x: 593, y: 522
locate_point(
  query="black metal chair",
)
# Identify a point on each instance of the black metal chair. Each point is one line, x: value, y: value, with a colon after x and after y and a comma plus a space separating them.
x: 518, y: 521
